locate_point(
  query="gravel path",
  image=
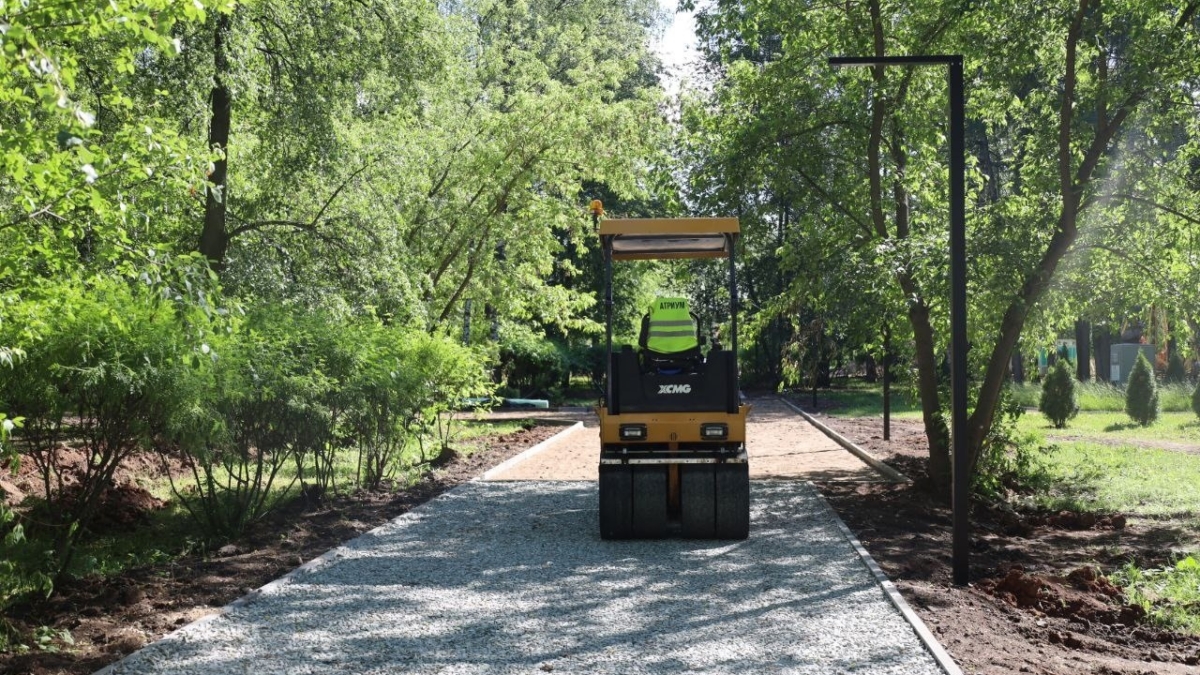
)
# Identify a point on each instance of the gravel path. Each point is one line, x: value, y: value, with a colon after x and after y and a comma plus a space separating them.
x: 513, y: 578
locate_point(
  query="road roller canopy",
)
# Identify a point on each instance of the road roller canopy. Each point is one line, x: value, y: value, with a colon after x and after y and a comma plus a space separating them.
x: 668, y: 238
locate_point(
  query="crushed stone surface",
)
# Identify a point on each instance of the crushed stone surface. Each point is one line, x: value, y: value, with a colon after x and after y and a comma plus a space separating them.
x: 512, y: 577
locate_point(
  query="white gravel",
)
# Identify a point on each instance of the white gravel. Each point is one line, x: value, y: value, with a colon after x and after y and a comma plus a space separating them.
x: 514, y: 578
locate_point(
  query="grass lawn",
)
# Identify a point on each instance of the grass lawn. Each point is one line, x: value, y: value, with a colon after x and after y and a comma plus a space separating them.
x: 1110, y: 427
x: 865, y: 402
x: 1103, y: 462
x: 1170, y: 595
x: 1097, y: 396
x: 1142, y: 481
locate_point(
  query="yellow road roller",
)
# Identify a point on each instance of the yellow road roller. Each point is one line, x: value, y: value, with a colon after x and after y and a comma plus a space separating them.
x: 672, y: 424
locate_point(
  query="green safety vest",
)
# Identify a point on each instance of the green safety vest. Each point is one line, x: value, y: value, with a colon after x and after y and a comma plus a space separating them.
x: 671, y: 328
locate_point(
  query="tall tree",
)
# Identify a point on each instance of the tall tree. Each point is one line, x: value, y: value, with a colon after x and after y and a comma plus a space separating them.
x: 1052, y: 92
x: 82, y: 176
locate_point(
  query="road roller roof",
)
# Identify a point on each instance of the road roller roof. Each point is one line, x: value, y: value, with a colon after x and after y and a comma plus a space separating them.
x: 663, y: 238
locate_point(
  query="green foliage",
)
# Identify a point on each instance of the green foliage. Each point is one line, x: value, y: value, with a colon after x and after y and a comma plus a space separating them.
x: 1196, y: 400
x: 1176, y: 371
x: 1011, y: 460
x: 1170, y: 595
x: 288, y: 390
x: 84, y: 167
x: 859, y: 180
x: 482, y: 121
x: 530, y: 364
x: 104, y: 373
x: 16, y: 581
x: 1141, y: 393
x: 259, y: 404
x: 1059, y: 402
x: 590, y: 360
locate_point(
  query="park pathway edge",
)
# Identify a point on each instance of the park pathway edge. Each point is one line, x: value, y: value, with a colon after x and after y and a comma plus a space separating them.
x: 846, y: 443
x: 943, y: 658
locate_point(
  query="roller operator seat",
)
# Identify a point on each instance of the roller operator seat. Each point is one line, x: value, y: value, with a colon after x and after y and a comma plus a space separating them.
x: 670, y: 340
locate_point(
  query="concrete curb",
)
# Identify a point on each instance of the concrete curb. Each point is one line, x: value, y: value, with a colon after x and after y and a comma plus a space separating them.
x: 939, y: 653
x: 850, y: 445
x: 511, y: 461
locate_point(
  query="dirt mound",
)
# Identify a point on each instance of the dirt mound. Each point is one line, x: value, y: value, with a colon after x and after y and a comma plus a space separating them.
x: 1071, y: 520
x: 71, y: 462
x: 124, y: 507
x: 119, y: 508
x: 1083, y: 593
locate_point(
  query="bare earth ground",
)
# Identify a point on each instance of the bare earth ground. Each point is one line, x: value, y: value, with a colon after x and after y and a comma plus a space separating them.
x: 109, y: 618
x: 1034, y: 605
x: 1025, y: 612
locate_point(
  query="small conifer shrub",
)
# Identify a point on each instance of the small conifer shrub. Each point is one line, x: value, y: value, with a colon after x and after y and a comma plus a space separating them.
x: 1176, y: 371
x: 1141, y: 393
x: 1059, y: 402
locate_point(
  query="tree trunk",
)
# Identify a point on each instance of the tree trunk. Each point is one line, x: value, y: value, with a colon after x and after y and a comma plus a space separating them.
x: 980, y: 421
x: 1102, y: 344
x: 1083, y: 352
x: 214, y: 240
x: 937, y: 433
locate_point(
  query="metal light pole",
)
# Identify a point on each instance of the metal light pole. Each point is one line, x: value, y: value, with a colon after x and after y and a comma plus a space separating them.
x: 960, y: 496
x: 887, y: 382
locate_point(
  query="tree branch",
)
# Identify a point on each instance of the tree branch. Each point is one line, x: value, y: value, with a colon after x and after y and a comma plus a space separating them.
x: 1150, y: 202
x: 310, y: 226
x: 835, y: 203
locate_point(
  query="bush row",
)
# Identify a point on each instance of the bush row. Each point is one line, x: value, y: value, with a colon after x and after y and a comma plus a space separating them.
x: 532, y: 366
x: 1059, y: 400
x: 255, y: 405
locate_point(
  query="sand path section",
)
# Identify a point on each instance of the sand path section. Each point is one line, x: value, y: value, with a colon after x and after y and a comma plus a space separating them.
x: 780, y: 444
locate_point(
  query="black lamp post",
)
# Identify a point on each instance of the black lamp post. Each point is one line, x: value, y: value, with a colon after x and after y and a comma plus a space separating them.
x: 960, y: 497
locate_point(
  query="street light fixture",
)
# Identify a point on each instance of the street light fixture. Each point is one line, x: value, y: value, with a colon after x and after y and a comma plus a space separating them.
x: 960, y: 495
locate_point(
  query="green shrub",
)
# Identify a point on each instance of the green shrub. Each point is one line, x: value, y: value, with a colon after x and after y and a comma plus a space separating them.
x: 102, y: 376
x: 409, y: 381
x: 300, y: 387
x: 15, y: 580
x: 448, y: 373
x: 331, y: 352
x: 589, y: 360
x: 1009, y: 460
x: 532, y: 364
x: 1176, y: 371
x: 1059, y: 402
x: 260, y: 403
x: 1141, y: 393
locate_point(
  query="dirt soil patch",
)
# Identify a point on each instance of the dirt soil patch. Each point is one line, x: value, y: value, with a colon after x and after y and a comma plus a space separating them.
x: 1038, y: 601
x: 111, y: 617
